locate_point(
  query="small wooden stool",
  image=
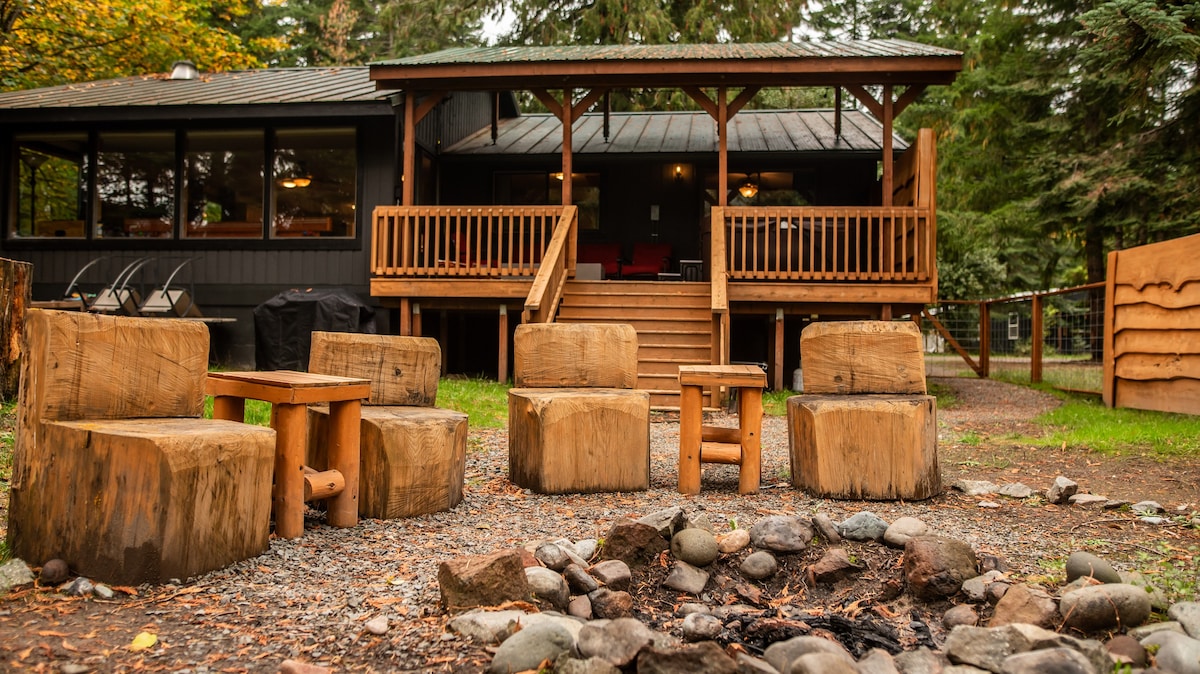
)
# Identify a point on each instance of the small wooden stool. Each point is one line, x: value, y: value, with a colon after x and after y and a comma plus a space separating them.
x: 712, y: 444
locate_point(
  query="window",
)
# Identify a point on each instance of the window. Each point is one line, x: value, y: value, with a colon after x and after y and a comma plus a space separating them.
x: 546, y: 188
x: 223, y: 184
x: 51, y: 186
x: 314, y: 191
x: 135, y: 185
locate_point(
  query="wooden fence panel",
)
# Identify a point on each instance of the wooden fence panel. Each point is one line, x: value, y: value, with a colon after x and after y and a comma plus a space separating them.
x: 1152, y: 327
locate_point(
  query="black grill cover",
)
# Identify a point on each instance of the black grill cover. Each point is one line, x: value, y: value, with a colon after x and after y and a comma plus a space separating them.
x: 283, y: 325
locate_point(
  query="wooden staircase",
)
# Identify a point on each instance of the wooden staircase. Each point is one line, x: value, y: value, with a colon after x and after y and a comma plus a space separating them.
x: 673, y: 321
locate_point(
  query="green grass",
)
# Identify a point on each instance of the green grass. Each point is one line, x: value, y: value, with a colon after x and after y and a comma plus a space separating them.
x: 484, y: 402
x: 7, y: 424
x: 257, y: 411
x: 775, y: 402
x: 1084, y: 422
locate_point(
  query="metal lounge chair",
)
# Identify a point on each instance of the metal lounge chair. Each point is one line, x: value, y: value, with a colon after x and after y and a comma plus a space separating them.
x: 171, y: 301
x: 120, y: 297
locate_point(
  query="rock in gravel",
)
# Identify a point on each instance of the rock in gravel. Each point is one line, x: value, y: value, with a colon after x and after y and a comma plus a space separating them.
x: 15, y: 572
x: 686, y: 578
x: 1061, y: 489
x: 1080, y: 564
x: 1086, y: 500
x: 963, y: 614
x: 580, y: 607
x: 688, y: 608
x: 667, y: 521
x: 989, y: 562
x: 1158, y: 599
x: 1047, y: 661
x: 611, y: 604
x: 1187, y: 614
x: 548, y: 586
x: 1126, y: 649
x: 748, y: 664
x: 553, y: 556
x: 904, y: 528
x: 1174, y: 652
x: 877, y: 661
x: 614, y: 573
x: 1025, y: 604
x: 863, y: 526
x: 580, y: 581
x: 103, y: 591
x: 53, y: 572
x: 936, y: 566
x: 780, y: 533
x: 1147, y: 508
x: 482, y: 580
x: 1016, y: 490
x: 922, y: 661
x: 634, y: 543
x: 990, y: 505
x: 295, y: 667
x: 976, y: 588
x: 1102, y: 607
x: 759, y: 565
x: 80, y: 587
x: 705, y: 657
x: 782, y: 654
x: 701, y: 627
x: 617, y: 642
x: 833, y: 566
x: 822, y: 663
x: 566, y: 664
x: 377, y: 626
x: 976, y: 487
x: 586, y: 548
x: 493, y: 627
x: 527, y: 649
x: 697, y: 547
x: 826, y: 527
x: 733, y: 541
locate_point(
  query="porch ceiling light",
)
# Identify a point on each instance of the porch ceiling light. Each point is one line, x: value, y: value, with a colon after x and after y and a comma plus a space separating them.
x: 302, y: 181
x: 748, y: 189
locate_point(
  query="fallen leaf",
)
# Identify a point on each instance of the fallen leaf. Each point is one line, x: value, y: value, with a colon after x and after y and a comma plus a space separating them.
x: 68, y: 647
x: 143, y: 641
x: 51, y: 633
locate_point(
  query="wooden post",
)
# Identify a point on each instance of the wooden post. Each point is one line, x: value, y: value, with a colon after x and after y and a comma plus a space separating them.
x: 230, y: 408
x: 1035, y: 356
x: 690, y: 420
x: 568, y: 122
x: 416, y: 319
x: 291, y: 430
x: 887, y: 145
x: 985, y: 338
x: 343, y: 457
x: 444, y: 337
x: 885, y: 312
x: 750, y: 413
x: 502, y: 363
x: 722, y: 148
x: 778, y: 365
x: 408, y: 177
x: 1108, y: 386
x: 405, y: 316
x: 14, y: 299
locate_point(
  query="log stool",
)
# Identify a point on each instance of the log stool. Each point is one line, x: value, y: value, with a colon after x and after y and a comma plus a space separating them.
x: 711, y: 444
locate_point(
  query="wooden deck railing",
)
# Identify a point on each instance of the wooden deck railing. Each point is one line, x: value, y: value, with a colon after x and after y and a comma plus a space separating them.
x: 461, y: 241
x: 547, y: 289
x: 883, y: 244
x: 720, y: 292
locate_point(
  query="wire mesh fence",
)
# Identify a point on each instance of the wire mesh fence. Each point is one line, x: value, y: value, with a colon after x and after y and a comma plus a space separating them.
x: 1054, y: 337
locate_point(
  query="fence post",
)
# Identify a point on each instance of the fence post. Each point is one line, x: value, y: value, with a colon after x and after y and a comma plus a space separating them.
x: 1037, y: 339
x: 985, y: 338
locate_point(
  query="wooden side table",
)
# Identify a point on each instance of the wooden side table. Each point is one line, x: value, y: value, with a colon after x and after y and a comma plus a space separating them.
x: 289, y: 393
x: 713, y: 444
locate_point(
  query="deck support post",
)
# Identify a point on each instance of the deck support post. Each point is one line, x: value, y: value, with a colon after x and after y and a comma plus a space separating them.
x: 502, y: 364
x: 568, y: 121
x: 778, y: 368
x: 405, y: 316
x: 885, y: 312
x: 444, y: 337
x: 887, y: 145
x: 722, y: 148
x: 408, y: 174
x: 416, y: 319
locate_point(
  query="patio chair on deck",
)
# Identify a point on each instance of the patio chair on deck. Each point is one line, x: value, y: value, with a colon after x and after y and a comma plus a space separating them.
x: 121, y: 296
x: 607, y: 255
x: 649, y: 259
x: 171, y: 300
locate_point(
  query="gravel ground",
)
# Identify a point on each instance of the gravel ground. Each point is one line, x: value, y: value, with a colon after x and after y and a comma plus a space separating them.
x: 309, y: 598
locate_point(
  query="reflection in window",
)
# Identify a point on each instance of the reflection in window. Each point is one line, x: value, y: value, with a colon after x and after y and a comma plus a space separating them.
x: 314, y: 189
x: 546, y: 189
x: 135, y: 184
x: 51, y: 175
x: 223, y: 184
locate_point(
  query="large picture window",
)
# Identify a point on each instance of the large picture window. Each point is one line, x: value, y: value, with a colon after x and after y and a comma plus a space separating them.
x: 546, y: 188
x: 51, y: 186
x: 135, y: 185
x: 314, y: 179
x: 223, y: 184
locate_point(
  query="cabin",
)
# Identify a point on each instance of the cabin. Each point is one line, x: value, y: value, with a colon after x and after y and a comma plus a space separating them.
x: 422, y: 186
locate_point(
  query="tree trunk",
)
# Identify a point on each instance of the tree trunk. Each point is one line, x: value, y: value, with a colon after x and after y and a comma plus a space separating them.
x: 15, y: 280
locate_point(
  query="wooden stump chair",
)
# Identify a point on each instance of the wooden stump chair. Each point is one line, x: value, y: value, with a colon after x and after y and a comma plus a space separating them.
x: 114, y: 470
x: 574, y: 423
x: 412, y: 455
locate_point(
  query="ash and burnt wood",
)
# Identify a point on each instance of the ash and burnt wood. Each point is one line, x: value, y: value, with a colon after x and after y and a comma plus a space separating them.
x: 876, y: 447
x: 161, y: 494
x: 853, y: 357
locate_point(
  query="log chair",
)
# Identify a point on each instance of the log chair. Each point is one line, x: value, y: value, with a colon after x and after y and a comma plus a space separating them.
x: 114, y: 471
x: 412, y: 455
x: 575, y: 424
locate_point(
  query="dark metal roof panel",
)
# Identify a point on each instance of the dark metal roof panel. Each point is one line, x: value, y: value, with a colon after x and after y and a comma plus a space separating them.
x: 682, y: 133
x: 672, y: 52
x: 243, y: 87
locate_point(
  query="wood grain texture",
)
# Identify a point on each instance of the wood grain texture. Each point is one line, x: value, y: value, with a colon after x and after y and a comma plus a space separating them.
x: 575, y: 354
x: 857, y: 357
x: 402, y: 370
x: 579, y: 440
x: 877, y: 447
x: 16, y: 279
x: 1172, y: 263
x: 411, y: 459
x: 143, y: 500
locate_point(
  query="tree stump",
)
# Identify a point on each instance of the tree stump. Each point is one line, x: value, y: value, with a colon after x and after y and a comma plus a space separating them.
x: 877, y: 447
x: 853, y: 357
x: 601, y: 355
x: 579, y: 440
x: 402, y: 370
x: 411, y: 459
x: 15, y: 280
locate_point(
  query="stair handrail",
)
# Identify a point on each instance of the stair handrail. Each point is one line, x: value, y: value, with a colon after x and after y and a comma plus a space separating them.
x: 546, y: 292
